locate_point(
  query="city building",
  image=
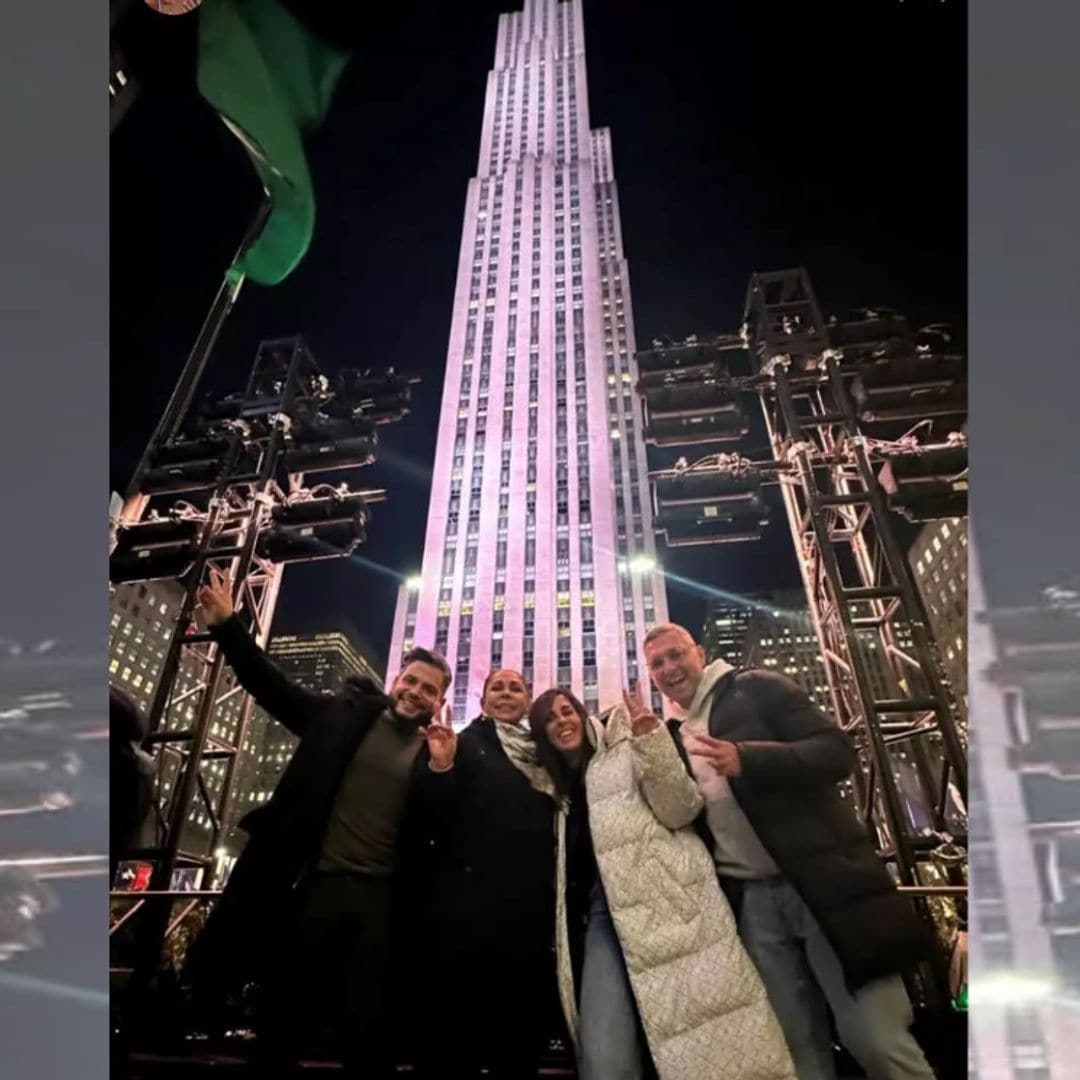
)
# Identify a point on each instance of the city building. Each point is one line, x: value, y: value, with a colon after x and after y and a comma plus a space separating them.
x: 141, y: 621
x: 540, y: 432
x: 1024, y: 836
x: 771, y: 631
x: 724, y: 635
x: 939, y: 558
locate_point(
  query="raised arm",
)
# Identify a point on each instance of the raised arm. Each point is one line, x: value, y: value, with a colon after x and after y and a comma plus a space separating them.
x: 670, y: 791
x: 286, y: 702
x: 808, y: 748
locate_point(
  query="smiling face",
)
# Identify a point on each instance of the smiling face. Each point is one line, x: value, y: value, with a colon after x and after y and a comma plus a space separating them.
x: 675, y: 665
x: 506, y: 697
x: 417, y: 693
x: 564, y: 726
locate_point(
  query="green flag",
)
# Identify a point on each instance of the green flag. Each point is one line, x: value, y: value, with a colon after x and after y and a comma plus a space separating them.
x: 271, y: 79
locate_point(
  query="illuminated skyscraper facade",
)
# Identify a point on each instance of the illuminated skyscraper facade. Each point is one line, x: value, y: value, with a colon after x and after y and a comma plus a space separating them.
x: 539, y: 552
x: 1024, y: 760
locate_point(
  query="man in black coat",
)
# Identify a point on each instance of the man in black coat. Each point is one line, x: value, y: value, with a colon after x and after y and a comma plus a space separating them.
x: 310, y: 909
x: 818, y: 911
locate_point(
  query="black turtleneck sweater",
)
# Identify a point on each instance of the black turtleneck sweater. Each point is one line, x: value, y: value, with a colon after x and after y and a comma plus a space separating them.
x: 361, y: 833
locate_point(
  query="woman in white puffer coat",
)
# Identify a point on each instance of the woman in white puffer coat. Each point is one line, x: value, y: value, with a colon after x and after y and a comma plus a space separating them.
x: 649, y: 958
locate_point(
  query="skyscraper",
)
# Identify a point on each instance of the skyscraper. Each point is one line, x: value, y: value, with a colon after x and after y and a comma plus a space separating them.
x: 770, y: 631
x: 939, y: 558
x: 1024, y: 804
x: 539, y: 552
x: 726, y: 631
x: 141, y: 620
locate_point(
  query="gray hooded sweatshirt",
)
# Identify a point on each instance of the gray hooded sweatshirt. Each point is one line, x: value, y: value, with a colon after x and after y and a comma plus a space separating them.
x: 736, y: 848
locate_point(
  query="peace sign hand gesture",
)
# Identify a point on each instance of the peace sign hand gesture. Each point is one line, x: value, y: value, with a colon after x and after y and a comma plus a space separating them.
x: 215, y: 599
x: 442, y: 742
x: 642, y: 718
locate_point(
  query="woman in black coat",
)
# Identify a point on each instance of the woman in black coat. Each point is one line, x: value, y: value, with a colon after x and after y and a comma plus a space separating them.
x: 492, y: 903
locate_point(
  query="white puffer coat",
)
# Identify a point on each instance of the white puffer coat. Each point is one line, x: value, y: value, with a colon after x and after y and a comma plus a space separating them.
x: 703, y: 1007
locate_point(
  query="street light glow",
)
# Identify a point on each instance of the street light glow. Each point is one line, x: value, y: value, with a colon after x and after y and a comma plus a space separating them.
x: 413, y: 583
x: 642, y: 564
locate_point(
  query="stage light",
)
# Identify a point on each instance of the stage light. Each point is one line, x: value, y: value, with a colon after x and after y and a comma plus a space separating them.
x: 693, y: 414
x: 911, y: 387
x: 928, y: 485
x: 314, y: 530
x: 154, y: 550
x: 304, y: 515
x: 325, y: 456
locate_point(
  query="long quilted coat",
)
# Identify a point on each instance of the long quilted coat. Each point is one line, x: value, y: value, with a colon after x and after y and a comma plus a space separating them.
x: 704, y: 1010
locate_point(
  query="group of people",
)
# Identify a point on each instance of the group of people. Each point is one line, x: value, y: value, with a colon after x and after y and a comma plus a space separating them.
x: 690, y: 899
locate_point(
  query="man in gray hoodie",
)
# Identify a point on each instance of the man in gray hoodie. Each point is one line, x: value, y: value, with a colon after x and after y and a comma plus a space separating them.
x: 817, y: 908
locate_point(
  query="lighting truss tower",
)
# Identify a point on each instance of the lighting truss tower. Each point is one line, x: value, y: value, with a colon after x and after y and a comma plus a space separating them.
x: 865, y: 422
x: 242, y: 464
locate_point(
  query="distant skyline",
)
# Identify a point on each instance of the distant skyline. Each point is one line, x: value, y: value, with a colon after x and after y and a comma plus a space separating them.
x: 725, y: 168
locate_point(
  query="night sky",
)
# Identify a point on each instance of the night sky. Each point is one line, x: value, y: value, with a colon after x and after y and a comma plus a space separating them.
x: 825, y: 135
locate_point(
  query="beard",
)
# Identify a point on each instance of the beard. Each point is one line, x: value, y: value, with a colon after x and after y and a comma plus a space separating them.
x: 421, y: 715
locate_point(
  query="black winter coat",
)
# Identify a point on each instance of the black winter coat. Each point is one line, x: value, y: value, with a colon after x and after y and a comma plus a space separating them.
x: 286, y: 833
x: 495, y: 882
x: 793, y: 757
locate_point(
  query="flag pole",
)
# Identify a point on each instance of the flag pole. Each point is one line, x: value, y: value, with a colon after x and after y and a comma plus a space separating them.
x: 184, y: 391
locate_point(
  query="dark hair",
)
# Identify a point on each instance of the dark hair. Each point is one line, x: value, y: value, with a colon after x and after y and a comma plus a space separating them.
x: 561, y: 771
x: 491, y: 675
x: 426, y: 656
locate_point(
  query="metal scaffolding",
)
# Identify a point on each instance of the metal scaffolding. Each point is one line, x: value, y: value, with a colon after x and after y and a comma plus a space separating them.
x: 865, y: 425
x: 242, y: 465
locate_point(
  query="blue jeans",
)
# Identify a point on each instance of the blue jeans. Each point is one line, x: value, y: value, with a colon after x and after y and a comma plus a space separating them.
x: 804, y: 980
x: 612, y: 1042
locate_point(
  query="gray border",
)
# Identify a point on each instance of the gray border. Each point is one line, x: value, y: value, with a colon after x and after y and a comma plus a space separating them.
x: 1024, y: 289
x: 1024, y: 293
x: 53, y: 361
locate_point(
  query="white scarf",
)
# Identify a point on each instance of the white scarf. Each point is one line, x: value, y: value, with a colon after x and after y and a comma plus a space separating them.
x: 714, y: 787
x: 520, y: 747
